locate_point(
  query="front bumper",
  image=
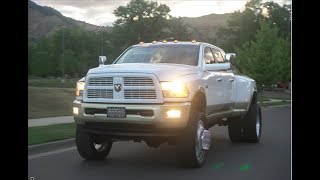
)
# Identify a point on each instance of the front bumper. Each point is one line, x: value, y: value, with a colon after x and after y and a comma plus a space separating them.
x: 93, y: 116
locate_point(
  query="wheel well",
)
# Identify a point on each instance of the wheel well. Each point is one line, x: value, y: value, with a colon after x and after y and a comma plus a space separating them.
x: 199, y: 103
x: 254, y: 97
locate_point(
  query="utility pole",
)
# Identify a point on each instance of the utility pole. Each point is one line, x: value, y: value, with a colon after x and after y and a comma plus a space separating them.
x: 102, y: 42
x: 62, y: 69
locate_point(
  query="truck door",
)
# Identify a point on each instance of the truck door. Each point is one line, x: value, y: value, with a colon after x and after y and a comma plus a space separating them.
x: 214, y: 87
x: 227, y: 83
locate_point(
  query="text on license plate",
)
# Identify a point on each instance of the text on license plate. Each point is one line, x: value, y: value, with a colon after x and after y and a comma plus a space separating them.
x: 116, y: 112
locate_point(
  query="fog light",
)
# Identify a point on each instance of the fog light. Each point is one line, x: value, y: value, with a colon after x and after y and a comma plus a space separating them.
x: 173, y: 114
x: 75, y: 110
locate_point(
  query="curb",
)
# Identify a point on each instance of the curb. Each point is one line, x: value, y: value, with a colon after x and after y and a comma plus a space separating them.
x: 276, y: 106
x: 51, y: 145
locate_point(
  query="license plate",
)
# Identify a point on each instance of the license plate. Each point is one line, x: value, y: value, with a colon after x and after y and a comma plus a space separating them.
x: 116, y: 112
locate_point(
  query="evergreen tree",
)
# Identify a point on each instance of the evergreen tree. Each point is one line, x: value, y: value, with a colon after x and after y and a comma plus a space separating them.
x: 267, y: 58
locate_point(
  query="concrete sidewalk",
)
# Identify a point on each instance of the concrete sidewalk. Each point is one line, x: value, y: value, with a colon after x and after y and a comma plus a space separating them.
x: 50, y: 121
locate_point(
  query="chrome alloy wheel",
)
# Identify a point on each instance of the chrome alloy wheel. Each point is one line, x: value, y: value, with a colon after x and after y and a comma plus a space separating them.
x: 100, y: 147
x: 258, y: 124
x: 200, y: 152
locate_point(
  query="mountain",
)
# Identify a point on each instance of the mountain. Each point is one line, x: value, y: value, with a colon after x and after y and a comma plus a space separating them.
x: 43, y: 21
x: 206, y: 26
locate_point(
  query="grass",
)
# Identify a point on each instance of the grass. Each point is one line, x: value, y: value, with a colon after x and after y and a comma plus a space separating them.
x: 262, y: 98
x: 44, y: 134
x: 57, y: 83
x: 50, y: 102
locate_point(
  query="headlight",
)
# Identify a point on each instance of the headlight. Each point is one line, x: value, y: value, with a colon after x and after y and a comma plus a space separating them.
x: 79, y: 89
x: 174, y: 89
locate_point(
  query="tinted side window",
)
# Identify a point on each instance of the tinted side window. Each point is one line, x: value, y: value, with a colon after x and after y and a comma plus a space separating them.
x: 218, y: 56
x: 208, y: 56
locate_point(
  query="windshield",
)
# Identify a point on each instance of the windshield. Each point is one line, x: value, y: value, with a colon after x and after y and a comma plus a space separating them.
x: 171, y: 53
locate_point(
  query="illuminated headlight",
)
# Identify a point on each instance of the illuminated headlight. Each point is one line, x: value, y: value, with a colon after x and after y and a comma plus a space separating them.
x: 79, y: 90
x: 174, y: 89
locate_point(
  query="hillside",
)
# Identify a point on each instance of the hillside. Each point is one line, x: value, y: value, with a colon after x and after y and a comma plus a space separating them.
x: 43, y: 21
x: 206, y: 26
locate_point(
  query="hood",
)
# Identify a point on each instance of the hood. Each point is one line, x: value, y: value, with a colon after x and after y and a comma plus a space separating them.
x: 164, y: 72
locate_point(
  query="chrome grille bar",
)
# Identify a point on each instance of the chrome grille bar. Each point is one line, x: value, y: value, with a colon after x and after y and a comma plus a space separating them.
x: 137, y: 81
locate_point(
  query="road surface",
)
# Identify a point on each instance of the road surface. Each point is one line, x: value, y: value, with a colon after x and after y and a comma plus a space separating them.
x: 270, y: 159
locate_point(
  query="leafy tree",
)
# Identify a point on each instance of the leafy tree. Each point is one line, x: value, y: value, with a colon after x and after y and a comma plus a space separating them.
x: 142, y: 20
x: 242, y: 26
x: 279, y: 15
x: 178, y: 30
x: 267, y: 58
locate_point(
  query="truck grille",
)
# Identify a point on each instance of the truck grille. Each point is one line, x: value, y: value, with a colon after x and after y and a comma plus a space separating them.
x: 100, y: 93
x: 140, y: 94
x: 101, y: 81
x: 122, y: 88
x: 137, y: 81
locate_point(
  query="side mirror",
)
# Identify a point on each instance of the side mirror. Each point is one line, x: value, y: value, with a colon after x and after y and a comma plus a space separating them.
x: 216, y: 67
x: 102, y: 59
x: 231, y: 57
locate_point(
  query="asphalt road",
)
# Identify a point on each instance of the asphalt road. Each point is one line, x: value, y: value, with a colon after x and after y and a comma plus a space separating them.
x: 270, y: 159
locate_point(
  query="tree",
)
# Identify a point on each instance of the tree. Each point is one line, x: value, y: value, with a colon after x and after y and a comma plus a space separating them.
x: 178, y: 30
x: 279, y: 15
x: 267, y: 58
x: 141, y: 20
x: 242, y: 26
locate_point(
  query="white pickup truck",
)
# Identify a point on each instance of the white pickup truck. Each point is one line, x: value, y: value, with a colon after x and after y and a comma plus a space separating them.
x: 165, y: 92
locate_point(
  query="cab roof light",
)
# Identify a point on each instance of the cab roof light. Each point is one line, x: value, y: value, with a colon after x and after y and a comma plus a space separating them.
x: 141, y: 42
x: 153, y: 42
x: 175, y: 41
x: 193, y: 41
x: 164, y: 41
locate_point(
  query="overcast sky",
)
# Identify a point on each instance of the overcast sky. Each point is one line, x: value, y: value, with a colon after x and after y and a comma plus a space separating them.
x: 100, y: 12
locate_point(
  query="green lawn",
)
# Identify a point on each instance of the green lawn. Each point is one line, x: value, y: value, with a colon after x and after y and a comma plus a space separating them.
x: 57, y: 83
x: 50, y: 102
x: 43, y: 134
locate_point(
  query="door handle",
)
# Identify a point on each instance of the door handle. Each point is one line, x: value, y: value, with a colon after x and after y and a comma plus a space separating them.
x: 231, y: 80
x: 219, y: 79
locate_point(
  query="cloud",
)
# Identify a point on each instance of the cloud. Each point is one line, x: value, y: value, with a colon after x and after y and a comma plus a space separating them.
x: 100, y: 12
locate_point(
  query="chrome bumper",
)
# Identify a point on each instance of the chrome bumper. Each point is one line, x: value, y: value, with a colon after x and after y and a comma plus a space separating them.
x: 159, y: 118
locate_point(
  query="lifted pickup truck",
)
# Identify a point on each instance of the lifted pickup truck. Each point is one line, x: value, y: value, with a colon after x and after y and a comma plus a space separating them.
x: 165, y: 92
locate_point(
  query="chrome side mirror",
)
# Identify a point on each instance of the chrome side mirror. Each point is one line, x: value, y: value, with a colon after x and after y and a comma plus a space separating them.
x: 231, y: 57
x: 102, y: 59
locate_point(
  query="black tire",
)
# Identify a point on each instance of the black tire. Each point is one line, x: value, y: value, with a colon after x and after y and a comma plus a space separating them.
x: 245, y: 129
x: 235, y: 129
x: 252, y: 132
x: 186, y: 144
x: 86, y: 146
